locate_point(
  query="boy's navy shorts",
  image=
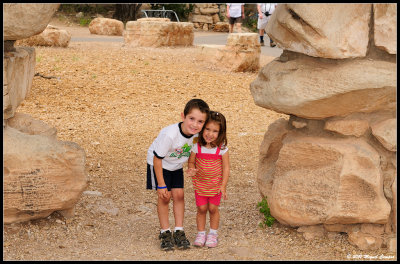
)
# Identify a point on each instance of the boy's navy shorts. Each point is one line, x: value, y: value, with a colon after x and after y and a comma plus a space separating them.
x: 173, y: 179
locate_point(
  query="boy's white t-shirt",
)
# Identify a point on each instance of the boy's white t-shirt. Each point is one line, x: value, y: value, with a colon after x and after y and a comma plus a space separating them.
x: 209, y: 150
x: 235, y: 9
x: 173, y: 146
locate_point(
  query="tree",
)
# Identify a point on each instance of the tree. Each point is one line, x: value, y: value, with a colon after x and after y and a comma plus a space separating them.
x: 126, y: 12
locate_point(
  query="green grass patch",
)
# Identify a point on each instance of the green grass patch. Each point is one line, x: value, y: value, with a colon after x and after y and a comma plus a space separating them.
x: 264, y: 209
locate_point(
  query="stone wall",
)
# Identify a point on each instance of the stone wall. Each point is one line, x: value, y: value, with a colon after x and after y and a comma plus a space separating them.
x: 208, y: 17
x: 333, y: 163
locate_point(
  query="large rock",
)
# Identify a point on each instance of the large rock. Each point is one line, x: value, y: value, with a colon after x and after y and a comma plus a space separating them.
x: 364, y: 236
x: 50, y: 37
x: 156, y: 33
x: 18, y: 72
x: 311, y: 180
x: 385, y: 27
x: 24, y: 20
x: 269, y: 153
x: 241, y: 53
x: 40, y: 175
x: 317, y: 88
x: 333, y: 31
x: 348, y: 127
x: 358, y: 124
x: 386, y: 133
x: 334, y: 162
x: 365, y: 241
x: 106, y: 26
x: 221, y: 27
x: 28, y: 125
x: 394, y: 205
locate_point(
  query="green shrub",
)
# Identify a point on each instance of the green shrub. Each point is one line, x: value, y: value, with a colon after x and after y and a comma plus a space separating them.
x: 250, y: 20
x: 84, y: 21
x: 264, y: 209
x: 87, y: 8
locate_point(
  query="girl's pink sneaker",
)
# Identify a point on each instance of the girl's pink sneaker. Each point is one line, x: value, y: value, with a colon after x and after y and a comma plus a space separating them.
x: 212, y: 240
x: 200, y: 240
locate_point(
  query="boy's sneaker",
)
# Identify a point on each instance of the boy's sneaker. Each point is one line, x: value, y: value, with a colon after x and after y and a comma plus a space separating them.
x: 262, y: 43
x: 200, y: 240
x: 212, y: 240
x: 166, y: 241
x: 180, y: 239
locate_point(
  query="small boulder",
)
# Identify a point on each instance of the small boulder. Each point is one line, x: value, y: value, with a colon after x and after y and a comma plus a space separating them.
x: 50, y: 37
x: 106, y: 26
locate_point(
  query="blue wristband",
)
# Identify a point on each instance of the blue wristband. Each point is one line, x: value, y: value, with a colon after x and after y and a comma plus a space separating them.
x: 158, y: 187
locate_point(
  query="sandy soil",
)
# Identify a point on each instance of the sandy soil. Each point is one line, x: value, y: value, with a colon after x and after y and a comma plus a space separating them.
x: 113, y: 101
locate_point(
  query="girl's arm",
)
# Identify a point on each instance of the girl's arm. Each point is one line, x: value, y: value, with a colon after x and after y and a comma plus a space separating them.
x: 191, y: 165
x: 225, y: 173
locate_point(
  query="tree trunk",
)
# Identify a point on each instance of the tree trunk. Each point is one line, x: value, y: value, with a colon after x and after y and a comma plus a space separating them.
x: 126, y: 12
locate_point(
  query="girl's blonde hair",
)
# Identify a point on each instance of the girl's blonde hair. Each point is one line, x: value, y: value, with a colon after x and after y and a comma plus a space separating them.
x: 221, y: 140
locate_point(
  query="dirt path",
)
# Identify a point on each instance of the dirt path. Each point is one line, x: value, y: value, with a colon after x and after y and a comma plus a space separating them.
x: 112, y: 101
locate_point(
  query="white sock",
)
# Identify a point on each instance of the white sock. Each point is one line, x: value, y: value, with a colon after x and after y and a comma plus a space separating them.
x: 213, y: 231
x: 202, y: 232
x: 178, y: 228
x: 163, y: 230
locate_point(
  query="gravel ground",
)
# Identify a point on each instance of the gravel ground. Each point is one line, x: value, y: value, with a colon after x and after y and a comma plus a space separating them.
x: 113, y: 101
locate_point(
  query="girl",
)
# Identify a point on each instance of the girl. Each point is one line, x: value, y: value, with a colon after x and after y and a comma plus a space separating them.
x: 209, y: 168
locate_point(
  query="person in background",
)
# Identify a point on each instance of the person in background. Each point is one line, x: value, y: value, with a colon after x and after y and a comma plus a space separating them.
x: 264, y: 13
x: 235, y: 14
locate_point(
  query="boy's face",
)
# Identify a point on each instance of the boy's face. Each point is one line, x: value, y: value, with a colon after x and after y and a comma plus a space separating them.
x: 193, y: 122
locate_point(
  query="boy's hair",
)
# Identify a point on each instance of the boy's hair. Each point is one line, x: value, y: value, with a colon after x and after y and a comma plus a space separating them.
x: 221, y: 140
x: 196, y: 104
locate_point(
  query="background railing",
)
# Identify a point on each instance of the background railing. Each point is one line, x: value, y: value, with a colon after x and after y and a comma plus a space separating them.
x: 161, y: 13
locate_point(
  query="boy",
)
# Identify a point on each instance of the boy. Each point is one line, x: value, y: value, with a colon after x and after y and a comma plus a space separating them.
x: 165, y: 159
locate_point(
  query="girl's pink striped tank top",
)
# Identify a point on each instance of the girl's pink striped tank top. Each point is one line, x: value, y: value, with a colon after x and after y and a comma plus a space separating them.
x: 208, y: 178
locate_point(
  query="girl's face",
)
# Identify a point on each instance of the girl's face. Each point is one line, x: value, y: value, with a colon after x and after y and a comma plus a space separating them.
x: 211, y: 132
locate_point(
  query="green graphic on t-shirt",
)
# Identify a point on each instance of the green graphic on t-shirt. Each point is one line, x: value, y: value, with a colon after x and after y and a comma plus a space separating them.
x: 182, y: 152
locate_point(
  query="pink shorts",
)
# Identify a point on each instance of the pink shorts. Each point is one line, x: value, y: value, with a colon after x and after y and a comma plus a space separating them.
x: 202, y: 200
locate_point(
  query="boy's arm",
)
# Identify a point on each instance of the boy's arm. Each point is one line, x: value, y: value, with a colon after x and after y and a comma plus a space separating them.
x: 157, y: 163
x: 225, y: 173
x: 242, y: 11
